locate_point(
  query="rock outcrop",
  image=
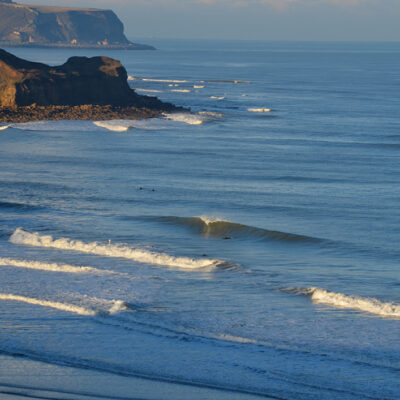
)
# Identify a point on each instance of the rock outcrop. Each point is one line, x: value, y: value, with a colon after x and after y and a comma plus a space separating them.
x: 84, y: 83
x: 61, y: 26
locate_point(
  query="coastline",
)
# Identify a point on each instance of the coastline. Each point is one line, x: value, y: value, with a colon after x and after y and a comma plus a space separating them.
x: 83, y: 112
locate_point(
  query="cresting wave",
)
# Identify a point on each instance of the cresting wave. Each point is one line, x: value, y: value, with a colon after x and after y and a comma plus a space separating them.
x: 260, y: 110
x: 339, y: 300
x: 112, y: 250
x: 106, y: 306
x: 215, y: 227
x: 111, y: 126
x: 4, y: 127
x: 191, y: 119
x: 163, y: 80
x: 51, y: 266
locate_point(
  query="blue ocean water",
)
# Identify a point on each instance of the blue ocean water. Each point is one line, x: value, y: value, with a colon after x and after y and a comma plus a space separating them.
x: 252, y: 246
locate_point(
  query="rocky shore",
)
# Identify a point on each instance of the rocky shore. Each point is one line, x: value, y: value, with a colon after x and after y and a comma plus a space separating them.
x: 84, y: 112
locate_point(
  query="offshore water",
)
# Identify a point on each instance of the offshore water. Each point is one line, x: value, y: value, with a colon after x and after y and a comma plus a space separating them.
x: 242, y: 248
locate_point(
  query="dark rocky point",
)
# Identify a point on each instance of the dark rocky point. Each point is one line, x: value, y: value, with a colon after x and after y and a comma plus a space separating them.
x: 82, y: 88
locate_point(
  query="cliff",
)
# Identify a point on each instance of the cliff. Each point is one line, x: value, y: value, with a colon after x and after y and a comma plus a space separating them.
x: 61, y: 26
x: 84, y: 83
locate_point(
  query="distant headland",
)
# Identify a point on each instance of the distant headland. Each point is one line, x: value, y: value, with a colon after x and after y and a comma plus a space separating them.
x: 48, y: 26
x: 82, y: 88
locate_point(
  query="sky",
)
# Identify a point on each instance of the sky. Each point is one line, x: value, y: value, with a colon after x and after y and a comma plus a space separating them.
x: 320, y: 20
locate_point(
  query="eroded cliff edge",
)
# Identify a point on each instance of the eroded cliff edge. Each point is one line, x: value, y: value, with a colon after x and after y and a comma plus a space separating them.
x: 82, y: 88
x: 26, y: 25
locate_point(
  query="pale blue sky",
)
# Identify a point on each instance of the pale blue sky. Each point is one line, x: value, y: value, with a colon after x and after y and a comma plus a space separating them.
x: 365, y: 20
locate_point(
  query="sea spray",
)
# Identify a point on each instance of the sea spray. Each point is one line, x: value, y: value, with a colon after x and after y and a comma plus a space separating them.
x: 22, y: 237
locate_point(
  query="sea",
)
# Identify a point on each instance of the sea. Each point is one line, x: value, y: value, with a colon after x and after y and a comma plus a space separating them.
x: 250, y: 246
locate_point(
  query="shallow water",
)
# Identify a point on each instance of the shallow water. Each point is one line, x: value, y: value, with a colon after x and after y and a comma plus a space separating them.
x: 253, y: 251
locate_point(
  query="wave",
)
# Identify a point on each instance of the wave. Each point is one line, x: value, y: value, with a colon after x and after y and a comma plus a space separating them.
x: 228, y: 81
x: 131, y: 78
x: 191, y: 119
x: 148, y: 90
x: 50, y: 266
x: 163, y: 80
x: 339, y: 300
x: 105, y: 307
x: 113, y: 250
x: 211, y: 114
x: 198, y: 86
x: 215, y: 227
x: 4, y: 127
x: 180, y: 90
x: 217, y: 97
x: 18, y: 206
x: 112, y: 126
x: 260, y: 110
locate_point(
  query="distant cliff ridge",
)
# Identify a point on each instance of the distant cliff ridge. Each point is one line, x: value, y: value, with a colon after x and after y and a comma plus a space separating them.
x: 61, y: 26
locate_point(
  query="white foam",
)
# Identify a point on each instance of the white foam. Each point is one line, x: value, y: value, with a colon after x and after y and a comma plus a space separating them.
x: 198, y: 86
x: 339, y: 300
x: 217, y: 97
x: 50, y: 266
x: 114, y: 126
x: 180, y: 90
x: 4, y: 127
x: 261, y: 110
x: 46, y: 303
x: 111, y: 250
x: 211, y: 114
x: 191, y: 119
x: 89, y: 306
x: 210, y: 220
x: 131, y: 78
x: 163, y: 80
x: 148, y: 90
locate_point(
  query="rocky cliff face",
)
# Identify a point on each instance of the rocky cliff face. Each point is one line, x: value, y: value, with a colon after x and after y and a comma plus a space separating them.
x: 80, y: 81
x: 62, y: 26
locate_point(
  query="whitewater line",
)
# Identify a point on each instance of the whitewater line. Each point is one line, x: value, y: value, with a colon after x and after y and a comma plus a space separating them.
x: 22, y: 237
x: 51, y: 266
x: 52, y: 304
x: 339, y: 300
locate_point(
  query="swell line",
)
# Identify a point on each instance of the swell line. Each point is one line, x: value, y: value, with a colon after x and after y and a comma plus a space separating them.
x: 221, y: 228
x: 113, y: 250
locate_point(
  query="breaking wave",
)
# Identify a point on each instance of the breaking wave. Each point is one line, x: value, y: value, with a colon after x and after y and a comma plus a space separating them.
x: 260, y: 110
x: 228, y: 81
x: 112, y: 126
x: 148, y: 90
x: 50, y: 266
x: 113, y: 250
x: 339, y: 300
x: 104, y: 307
x: 163, y: 80
x: 181, y: 90
x: 214, y: 227
x: 217, y: 97
x: 191, y: 119
x: 4, y: 127
x: 194, y: 119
